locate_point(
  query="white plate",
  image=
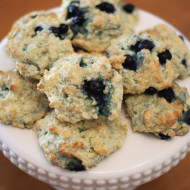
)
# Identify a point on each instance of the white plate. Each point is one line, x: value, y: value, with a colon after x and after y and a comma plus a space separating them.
x: 141, y: 158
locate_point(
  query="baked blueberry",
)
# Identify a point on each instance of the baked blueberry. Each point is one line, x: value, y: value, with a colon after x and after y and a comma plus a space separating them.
x: 106, y: 7
x: 79, y: 20
x: 63, y: 28
x: 164, y: 137
x: 150, y: 91
x: 73, y: 10
x: 94, y: 89
x: 34, y: 16
x: 74, y: 164
x: 38, y: 29
x: 82, y: 63
x: 168, y: 94
x: 184, y: 62
x: 164, y: 56
x: 187, y: 117
x: 107, y: 54
x: 130, y: 63
x: 59, y: 31
x: 55, y: 31
x: 143, y: 44
x: 129, y: 8
x: 181, y: 37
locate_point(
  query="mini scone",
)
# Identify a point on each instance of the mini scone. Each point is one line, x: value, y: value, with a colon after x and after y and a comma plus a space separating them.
x: 21, y: 104
x: 83, y: 87
x: 136, y: 57
x: 79, y: 146
x: 177, y: 46
x: 36, y: 41
x: 96, y: 23
x: 164, y: 113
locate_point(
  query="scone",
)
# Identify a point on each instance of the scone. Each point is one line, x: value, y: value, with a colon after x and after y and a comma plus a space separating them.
x: 164, y: 113
x: 136, y: 57
x: 83, y: 87
x: 79, y: 146
x: 178, y: 48
x: 21, y: 104
x: 96, y: 23
x: 36, y: 41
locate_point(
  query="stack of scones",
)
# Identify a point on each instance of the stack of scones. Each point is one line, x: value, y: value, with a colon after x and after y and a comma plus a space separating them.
x: 74, y: 69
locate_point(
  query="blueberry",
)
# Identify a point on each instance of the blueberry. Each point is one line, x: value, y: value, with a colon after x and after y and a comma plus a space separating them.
x: 79, y: 20
x: 181, y: 37
x: 63, y: 28
x: 94, y: 89
x: 74, y: 164
x: 82, y: 64
x: 168, y: 94
x: 143, y: 44
x: 34, y: 16
x: 187, y: 117
x: 73, y: 11
x: 106, y: 7
x: 54, y: 30
x: 38, y: 29
x: 164, y: 137
x: 164, y: 56
x: 129, y: 8
x: 59, y: 31
x: 150, y: 91
x: 184, y: 62
x: 130, y: 63
x: 107, y: 54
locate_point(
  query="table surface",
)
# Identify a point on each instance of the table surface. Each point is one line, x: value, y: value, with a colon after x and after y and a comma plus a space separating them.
x: 174, y: 11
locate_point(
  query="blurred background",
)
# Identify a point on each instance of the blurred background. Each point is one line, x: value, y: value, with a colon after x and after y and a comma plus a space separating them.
x: 175, y: 12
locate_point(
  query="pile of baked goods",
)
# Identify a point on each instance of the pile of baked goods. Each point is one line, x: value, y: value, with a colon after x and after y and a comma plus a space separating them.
x: 75, y: 67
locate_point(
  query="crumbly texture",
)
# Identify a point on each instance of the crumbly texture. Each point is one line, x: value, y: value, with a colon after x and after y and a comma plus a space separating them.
x: 140, y: 67
x: 94, y: 24
x: 82, y: 145
x: 36, y: 42
x: 177, y: 46
x: 20, y: 102
x: 154, y: 114
x: 83, y: 87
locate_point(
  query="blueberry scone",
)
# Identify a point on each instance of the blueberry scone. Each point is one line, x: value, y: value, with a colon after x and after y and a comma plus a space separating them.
x: 36, y: 41
x: 164, y: 113
x: 143, y: 61
x: 79, y: 146
x: 83, y: 87
x: 177, y: 47
x: 96, y: 23
x: 21, y: 104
